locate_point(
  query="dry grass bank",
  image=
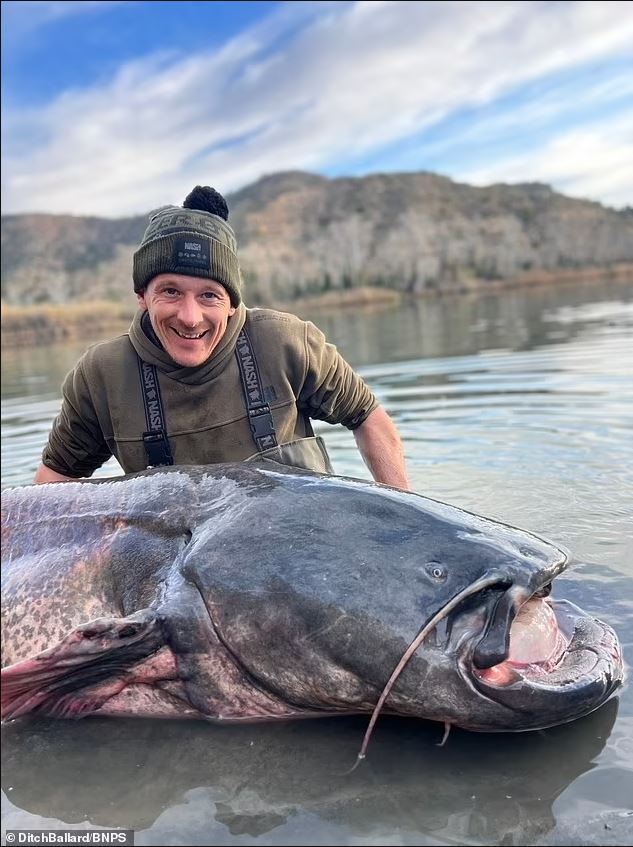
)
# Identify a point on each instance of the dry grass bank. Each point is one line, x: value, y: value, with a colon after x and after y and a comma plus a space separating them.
x: 24, y: 326
x: 360, y: 297
x: 29, y: 326
x: 618, y: 272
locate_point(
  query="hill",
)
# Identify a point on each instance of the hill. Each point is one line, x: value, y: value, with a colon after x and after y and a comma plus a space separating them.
x: 301, y: 234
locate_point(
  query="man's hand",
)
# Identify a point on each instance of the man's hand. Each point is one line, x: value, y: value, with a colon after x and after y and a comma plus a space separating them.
x: 380, y: 446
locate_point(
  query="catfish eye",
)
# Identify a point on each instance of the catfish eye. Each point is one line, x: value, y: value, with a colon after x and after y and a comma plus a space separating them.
x: 437, y: 571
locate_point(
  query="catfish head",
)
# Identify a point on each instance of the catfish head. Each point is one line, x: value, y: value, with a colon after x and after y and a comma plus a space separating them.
x: 336, y: 595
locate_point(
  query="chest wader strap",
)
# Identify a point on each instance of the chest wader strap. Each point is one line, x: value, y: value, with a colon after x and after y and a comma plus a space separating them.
x: 155, y: 439
x: 259, y: 414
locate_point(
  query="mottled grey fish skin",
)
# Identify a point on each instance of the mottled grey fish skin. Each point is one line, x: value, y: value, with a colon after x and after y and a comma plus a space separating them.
x: 237, y: 593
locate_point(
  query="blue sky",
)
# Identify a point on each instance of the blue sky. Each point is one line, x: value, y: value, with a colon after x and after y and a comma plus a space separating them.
x: 113, y: 108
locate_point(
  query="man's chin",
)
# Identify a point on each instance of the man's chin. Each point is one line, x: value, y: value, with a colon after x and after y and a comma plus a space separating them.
x: 189, y: 358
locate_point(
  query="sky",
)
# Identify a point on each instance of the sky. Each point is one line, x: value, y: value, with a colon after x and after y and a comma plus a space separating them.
x: 114, y: 108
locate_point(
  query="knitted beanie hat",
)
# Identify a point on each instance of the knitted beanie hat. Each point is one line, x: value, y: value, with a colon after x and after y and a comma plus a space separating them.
x: 193, y: 239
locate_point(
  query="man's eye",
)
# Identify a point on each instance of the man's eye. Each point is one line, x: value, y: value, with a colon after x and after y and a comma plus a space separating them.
x: 171, y: 292
x: 210, y: 295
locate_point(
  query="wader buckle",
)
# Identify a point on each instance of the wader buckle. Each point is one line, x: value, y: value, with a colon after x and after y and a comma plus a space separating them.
x: 262, y: 427
x: 261, y: 422
x: 157, y: 448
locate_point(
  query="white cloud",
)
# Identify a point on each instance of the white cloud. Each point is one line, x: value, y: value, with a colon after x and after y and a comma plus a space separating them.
x: 22, y: 18
x: 596, y: 163
x: 300, y: 92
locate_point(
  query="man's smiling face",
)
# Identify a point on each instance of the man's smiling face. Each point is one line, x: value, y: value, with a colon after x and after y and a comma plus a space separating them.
x: 189, y: 315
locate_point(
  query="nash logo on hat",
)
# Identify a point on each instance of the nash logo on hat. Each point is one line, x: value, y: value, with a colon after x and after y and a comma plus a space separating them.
x: 192, y: 252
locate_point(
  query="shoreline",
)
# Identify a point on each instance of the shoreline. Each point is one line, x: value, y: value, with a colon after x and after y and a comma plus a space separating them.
x: 43, y: 324
x: 367, y: 296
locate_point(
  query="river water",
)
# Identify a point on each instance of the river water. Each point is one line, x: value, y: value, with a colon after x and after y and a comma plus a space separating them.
x: 517, y: 405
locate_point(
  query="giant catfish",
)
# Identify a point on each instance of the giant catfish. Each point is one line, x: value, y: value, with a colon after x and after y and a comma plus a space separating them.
x: 237, y: 593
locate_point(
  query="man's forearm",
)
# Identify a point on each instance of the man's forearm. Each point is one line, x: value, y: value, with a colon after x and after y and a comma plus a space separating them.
x: 381, y: 448
x: 45, y: 474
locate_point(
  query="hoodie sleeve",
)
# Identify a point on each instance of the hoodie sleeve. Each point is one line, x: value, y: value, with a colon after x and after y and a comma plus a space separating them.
x: 76, y: 446
x: 332, y: 391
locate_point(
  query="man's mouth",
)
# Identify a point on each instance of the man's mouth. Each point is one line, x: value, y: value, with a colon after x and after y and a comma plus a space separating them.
x: 190, y: 336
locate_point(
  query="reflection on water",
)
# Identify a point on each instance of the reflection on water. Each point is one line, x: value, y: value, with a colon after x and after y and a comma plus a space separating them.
x: 462, y: 325
x: 170, y: 777
x: 517, y: 405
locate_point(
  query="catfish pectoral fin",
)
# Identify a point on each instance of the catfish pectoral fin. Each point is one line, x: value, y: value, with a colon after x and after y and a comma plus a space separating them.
x: 77, y: 675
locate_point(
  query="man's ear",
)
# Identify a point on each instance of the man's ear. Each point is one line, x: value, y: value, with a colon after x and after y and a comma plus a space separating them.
x: 141, y: 300
x: 231, y: 311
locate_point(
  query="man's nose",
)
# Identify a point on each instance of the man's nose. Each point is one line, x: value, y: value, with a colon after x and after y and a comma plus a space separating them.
x: 190, y: 313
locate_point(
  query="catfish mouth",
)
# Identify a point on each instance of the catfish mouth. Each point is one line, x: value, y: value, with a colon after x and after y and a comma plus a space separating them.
x: 565, y: 660
x: 536, y: 643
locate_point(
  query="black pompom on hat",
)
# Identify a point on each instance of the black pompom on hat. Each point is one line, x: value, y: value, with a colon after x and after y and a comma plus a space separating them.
x: 207, y: 199
x: 194, y: 239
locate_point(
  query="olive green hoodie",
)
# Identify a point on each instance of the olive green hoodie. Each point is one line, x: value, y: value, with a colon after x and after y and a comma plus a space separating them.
x: 103, y: 413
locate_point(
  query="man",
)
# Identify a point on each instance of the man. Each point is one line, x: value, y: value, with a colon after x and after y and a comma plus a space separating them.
x: 199, y: 378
